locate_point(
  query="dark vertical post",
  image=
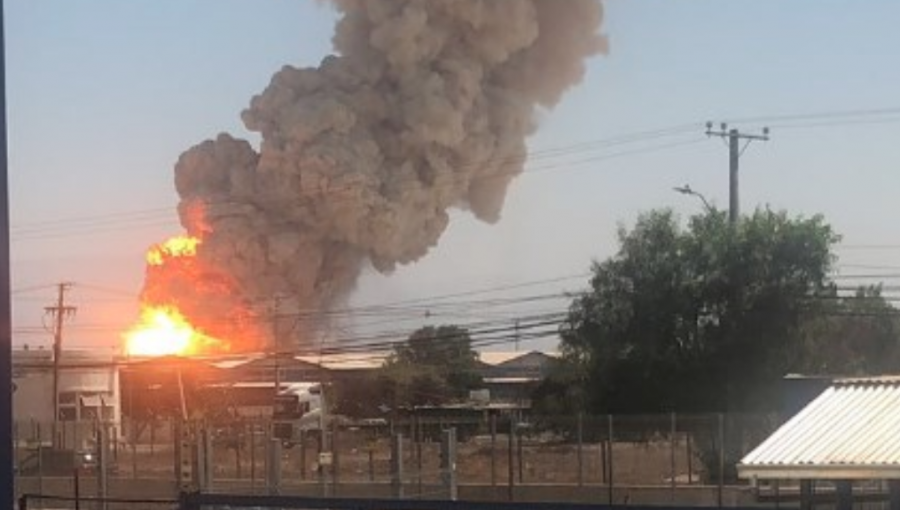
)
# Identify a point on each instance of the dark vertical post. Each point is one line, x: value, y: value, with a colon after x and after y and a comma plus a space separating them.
x: 102, y: 465
x: 7, y: 476
x: 253, y: 458
x: 511, y: 477
x: 806, y: 495
x: 493, y: 419
x: 132, y: 429
x: 734, y: 158
x: 690, y: 457
x: 302, y: 437
x: 336, y: 458
x: 776, y: 486
x: 397, y: 465
x: 609, y: 430
x: 580, y: 436
x: 844, y: 489
x: 520, y: 456
x: 604, y: 469
x: 894, y: 494
x: 273, y: 466
x: 448, y: 462
x: 673, y: 467
x: 417, y: 426
x: 40, y: 461
x: 77, y: 485
x: 721, y: 488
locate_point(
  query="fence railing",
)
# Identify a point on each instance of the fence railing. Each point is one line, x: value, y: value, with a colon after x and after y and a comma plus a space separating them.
x: 669, y: 451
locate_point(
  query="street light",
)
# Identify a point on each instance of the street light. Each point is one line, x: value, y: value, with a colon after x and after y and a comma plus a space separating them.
x: 686, y: 190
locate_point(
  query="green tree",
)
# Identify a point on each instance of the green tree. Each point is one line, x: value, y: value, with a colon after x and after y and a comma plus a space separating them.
x: 702, y: 318
x: 435, y: 365
x: 853, y: 335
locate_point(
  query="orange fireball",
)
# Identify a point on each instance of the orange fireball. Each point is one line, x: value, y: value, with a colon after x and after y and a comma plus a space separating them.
x: 163, y: 331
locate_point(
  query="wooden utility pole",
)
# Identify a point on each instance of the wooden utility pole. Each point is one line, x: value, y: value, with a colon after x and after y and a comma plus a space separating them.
x: 735, y: 150
x: 59, y: 312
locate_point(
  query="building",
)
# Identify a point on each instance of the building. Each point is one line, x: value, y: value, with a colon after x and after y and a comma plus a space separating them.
x: 88, y: 394
x: 842, y: 446
x: 511, y: 377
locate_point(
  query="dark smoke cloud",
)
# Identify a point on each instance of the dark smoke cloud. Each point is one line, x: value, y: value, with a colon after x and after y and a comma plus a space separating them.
x: 426, y: 107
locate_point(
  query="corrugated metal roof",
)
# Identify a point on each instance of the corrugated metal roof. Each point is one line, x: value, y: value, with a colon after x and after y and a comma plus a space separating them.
x: 851, y: 430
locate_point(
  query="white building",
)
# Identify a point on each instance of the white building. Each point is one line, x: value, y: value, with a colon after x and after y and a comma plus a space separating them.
x: 88, y: 394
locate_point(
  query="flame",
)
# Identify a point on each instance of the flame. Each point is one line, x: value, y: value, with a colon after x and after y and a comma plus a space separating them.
x: 185, y: 308
x: 163, y: 331
x: 180, y: 246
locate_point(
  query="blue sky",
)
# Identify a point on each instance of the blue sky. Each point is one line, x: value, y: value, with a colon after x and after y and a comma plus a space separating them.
x: 104, y: 95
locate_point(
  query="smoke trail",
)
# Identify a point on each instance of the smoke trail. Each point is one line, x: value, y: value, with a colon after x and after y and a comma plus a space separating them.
x: 426, y: 107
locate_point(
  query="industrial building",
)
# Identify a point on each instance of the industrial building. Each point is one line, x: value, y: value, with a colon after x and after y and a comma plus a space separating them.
x: 842, y: 448
x: 89, y: 394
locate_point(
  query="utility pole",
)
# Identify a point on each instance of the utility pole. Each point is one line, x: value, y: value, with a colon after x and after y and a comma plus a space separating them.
x: 735, y: 150
x: 277, y: 345
x: 59, y: 312
x: 517, y: 337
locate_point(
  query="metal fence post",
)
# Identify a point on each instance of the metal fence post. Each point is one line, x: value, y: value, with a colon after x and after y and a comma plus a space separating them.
x: 336, y: 458
x: 520, y: 456
x: 448, y: 462
x: 301, y: 437
x: 690, y: 457
x: 40, y: 462
x: 102, y: 465
x: 76, y: 479
x: 273, y: 466
x: 493, y: 424
x: 240, y: 434
x: 132, y: 432
x: 397, y: 465
x: 610, y: 472
x: 511, y: 460
x: 580, y: 433
x: 721, y: 487
x: 252, y: 457
x: 417, y: 421
x: 674, y: 469
x: 205, y: 460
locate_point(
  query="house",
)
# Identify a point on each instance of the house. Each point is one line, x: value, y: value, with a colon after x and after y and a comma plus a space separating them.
x: 511, y: 377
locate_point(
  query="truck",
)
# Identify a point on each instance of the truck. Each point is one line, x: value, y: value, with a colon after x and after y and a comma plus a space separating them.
x: 299, y: 410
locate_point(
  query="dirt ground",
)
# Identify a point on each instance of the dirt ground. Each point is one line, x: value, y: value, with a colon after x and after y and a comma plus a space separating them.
x: 359, y: 457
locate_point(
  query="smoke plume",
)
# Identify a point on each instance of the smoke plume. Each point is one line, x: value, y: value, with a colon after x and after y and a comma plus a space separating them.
x: 426, y: 105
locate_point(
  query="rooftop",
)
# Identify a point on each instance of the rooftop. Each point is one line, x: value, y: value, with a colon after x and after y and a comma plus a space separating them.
x: 849, y: 431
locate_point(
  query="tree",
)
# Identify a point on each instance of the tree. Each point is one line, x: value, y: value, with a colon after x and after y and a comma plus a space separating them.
x: 434, y: 366
x: 852, y: 335
x: 702, y: 318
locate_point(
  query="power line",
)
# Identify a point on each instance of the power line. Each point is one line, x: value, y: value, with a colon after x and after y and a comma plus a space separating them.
x: 46, y: 229
x: 834, y: 114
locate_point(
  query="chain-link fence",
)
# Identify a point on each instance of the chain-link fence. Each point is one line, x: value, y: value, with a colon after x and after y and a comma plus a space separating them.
x: 494, y: 453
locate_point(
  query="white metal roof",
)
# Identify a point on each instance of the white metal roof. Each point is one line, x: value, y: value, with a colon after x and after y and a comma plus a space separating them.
x: 851, y: 431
